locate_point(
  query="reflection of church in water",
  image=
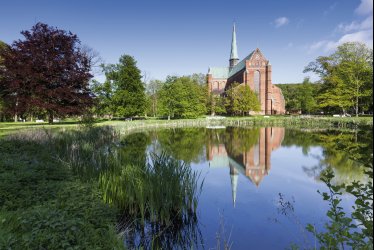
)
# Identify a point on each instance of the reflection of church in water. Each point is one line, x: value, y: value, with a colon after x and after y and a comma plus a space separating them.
x: 253, y: 163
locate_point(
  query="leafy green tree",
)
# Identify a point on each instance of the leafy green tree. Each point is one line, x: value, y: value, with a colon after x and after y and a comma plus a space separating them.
x: 153, y: 88
x: 241, y: 99
x: 301, y: 97
x: 168, y: 103
x: 306, y: 97
x: 200, y: 78
x: 216, y: 104
x: 129, y: 92
x: 182, y: 97
x: 347, y: 77
x: 104, y: 98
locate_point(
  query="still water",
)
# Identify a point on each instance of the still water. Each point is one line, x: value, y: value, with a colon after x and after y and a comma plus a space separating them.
x: 259, y: 184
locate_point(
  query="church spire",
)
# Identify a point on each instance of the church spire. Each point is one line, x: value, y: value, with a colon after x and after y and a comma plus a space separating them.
x: 234, y: 59
x: 234, y: 183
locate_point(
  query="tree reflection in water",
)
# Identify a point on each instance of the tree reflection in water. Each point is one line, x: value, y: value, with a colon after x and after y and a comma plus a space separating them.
x: 157, y: 196
x: 159, y: 204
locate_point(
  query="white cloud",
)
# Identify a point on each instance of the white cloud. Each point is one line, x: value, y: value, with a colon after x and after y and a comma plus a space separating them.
x: 356, y: 31
x: 355, y: 25
x: 281, y: 21
x: 365, y: 7
x: 363, y: 36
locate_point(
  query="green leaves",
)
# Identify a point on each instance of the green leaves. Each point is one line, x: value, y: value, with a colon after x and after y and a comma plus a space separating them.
x: 241, y: 100
x: 182, y: 97
x: 126, y: 95
x: 341, y: 231
x: 347, y: 77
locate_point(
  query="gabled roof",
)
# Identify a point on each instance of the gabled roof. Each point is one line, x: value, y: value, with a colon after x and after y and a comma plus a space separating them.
x: 219, y: 72
x: 225, y: 72
x: 239, y: 66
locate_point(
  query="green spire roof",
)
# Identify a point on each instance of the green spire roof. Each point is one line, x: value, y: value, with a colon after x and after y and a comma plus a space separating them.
x: 234, y: 49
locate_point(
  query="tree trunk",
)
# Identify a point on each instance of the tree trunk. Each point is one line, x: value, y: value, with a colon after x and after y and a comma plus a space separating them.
x: 356, y: 106
x: 15, y: 117
x: 50, y: 117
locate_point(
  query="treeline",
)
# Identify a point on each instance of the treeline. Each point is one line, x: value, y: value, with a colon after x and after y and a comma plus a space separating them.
x: 301, y: 98
x: 48, y: 75
x: 346, y: 79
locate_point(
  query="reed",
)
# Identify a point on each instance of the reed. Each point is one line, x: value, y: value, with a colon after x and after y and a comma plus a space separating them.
x: 157, y: 198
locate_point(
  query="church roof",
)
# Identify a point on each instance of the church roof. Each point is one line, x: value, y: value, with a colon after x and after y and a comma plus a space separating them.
x: 239, y: 66
x: 219, y: 72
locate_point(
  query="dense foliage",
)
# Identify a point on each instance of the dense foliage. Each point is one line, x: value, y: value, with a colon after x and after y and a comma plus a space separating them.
x: 3, y: 46
x: 346, y: 77
x: 45, y: 72
x: 182, y: 97
x: 301, y: 97
x: 128, y: 97
x: 241, y: 100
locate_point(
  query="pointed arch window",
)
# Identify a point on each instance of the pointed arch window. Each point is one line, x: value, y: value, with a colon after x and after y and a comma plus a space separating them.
x: 257, y: 80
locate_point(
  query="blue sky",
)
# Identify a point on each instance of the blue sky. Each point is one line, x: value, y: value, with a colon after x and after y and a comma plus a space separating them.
x: 185, y: 37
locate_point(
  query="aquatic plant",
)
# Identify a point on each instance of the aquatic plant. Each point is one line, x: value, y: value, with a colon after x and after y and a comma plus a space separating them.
x: 158, y: 200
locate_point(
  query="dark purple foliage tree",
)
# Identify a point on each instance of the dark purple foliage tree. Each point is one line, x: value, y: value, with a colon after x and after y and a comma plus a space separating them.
x: 46, y: 71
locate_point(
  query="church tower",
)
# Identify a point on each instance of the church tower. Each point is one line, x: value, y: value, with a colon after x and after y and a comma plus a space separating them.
x: 234, y: 59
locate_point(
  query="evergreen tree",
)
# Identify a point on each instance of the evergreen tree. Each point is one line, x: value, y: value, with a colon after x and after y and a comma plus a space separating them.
x: 129, y: 92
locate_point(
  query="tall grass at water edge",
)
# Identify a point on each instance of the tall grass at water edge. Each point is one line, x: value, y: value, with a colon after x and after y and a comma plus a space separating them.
x: 154, y: 197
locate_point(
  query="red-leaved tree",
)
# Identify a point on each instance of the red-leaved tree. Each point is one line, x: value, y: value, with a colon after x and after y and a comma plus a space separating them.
x: 47, y: 71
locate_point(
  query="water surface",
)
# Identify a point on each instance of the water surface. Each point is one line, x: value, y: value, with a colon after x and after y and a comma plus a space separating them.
x: 259, y: 184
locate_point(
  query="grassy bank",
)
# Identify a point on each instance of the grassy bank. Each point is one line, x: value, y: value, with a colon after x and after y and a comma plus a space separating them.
x: 289, y: 121
x: 44, y: 206
x: 82, y: 188
x: 56, y: 184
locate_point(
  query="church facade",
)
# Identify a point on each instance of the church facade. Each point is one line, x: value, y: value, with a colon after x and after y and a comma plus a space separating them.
x: 254, y: 71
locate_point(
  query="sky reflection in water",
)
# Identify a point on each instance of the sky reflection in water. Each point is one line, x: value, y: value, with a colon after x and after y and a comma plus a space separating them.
x: 260, y: 184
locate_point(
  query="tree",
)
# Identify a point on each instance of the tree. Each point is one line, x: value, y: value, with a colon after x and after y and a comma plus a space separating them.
x: 47, y: 70
x: 217, y: 104
x: 3, y: 46
x: 199, y: 78
x: 103, y: 98
x: 306, y: 97
x: 182, y: 97
x: 241, y: 99
x: 153, y: 88
x: 347, y: 77
x: 129, y: 92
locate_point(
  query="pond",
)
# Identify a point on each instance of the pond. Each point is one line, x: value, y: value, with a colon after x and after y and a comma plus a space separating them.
x: 259, y: 186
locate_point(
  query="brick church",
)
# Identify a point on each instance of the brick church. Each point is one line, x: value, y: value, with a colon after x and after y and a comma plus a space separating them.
x: 254, y: 71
